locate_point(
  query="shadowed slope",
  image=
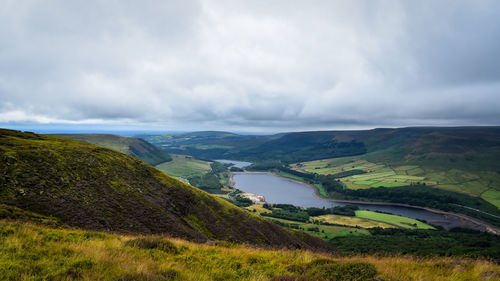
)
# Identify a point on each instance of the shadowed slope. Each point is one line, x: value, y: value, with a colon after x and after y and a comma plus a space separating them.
x: 132, y: 146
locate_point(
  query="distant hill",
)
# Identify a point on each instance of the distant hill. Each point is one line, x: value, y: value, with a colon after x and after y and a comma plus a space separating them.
x: 468, y: 146
x: 131, y: 146
x: 92, y: 187
x: 289, y: 147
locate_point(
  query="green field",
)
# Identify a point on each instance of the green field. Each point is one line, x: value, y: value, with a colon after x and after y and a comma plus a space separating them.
x: 376, y: 175
x: 352, y: 221
x: 326, y: 232
x: 403, y: 222
x: 183, y: 166
x: 492, y: 196
x: 346, y: 225
x: 482, y: 184
x: 322, y: 231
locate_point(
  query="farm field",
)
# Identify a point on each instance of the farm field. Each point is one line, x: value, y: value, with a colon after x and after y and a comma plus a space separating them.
x: 376, y: 175
x: 183, y: 166
x: 492, y: 196
x: 484, y: 184
x: 352, y: 221
x: 326, y: 232
x: 403, y: 222
x: 323, y: 231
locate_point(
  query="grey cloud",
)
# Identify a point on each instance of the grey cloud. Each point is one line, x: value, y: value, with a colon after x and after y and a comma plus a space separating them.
x: 251, y: 64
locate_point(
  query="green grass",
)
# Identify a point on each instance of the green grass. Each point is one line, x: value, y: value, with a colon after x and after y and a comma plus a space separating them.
x: 388, y: 184
x: 325, y: 232
x: 287, y: 175
x: 132, y: 146
x: 183, y: 166
x: 403, y: 222
x: 492, y: 196
x: 352, y: 221
x: 365, y: 182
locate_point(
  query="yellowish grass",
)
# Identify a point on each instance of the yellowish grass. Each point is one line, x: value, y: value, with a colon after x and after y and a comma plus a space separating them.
x: 352, y: 221
x: 29, y: 252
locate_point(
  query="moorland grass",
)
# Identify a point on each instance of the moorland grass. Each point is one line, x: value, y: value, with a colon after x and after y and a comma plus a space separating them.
x: 34, y: 252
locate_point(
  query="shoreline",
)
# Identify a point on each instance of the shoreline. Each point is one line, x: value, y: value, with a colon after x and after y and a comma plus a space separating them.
x: 466, y: 220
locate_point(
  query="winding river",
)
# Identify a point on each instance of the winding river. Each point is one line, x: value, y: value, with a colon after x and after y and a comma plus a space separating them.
x: 280, y: 190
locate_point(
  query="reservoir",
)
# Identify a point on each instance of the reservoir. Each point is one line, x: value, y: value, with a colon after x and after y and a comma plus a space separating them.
x: 237, y: 164
x: 279, y: 190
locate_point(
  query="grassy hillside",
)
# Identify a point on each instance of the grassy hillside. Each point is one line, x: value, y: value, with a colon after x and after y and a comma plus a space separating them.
x: 131, y: 146
x: 97, y: 188
x: 34, y: 252
x: 183, y: 166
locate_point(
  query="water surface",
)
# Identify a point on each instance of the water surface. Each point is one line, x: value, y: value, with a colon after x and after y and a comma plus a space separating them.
x: 279, y: 190
x: 237, y: 164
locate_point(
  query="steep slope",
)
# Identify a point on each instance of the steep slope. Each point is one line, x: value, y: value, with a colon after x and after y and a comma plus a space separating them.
x: 131, y: 146
x: 96, y: 188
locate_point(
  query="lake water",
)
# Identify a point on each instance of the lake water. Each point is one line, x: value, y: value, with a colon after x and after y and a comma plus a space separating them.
x: 279, y: 190
x: 237, y: 164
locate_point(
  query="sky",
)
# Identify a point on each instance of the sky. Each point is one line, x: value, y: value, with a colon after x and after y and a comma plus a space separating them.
x: 253, y: 66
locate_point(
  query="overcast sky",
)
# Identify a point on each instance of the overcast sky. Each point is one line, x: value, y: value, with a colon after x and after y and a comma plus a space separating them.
x: 249, y: 65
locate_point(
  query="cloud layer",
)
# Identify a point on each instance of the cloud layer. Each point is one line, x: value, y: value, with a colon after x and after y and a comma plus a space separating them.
x: 253, y: 65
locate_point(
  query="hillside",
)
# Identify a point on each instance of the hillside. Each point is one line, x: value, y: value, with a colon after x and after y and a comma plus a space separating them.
x: 131, y: 146
x: 35, y: 252
x: 96, y: 188
x: 289, y: 147
x: 68, y: 254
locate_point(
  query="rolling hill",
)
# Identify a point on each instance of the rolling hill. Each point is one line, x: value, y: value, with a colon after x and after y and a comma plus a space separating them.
x: 91, y: 187
x: 131, y: 146
x: 454, y: 146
